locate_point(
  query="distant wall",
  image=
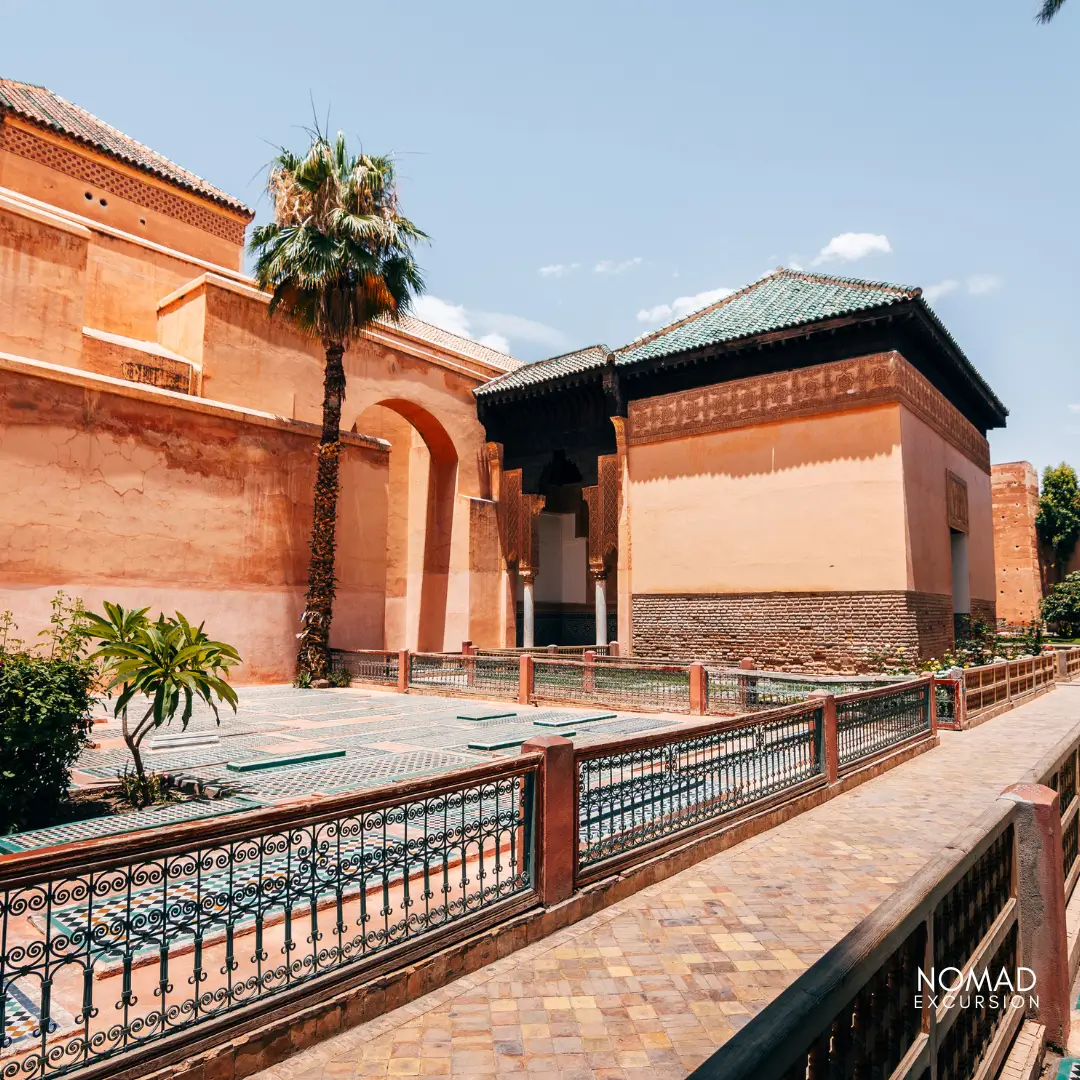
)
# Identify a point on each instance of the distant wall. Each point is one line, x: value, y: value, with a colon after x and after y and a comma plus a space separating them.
x: 146, y: 497
x: 1016, y: 546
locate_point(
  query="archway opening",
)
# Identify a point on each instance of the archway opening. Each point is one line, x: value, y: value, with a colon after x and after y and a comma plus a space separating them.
x: 420, y: 500
x: 563, y: 610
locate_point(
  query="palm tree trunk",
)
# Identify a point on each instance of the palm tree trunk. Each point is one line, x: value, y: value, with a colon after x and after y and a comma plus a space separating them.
x: 314, y: 654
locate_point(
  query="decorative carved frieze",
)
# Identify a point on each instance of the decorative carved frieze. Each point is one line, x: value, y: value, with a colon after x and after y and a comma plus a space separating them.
x: 956, y: 501
x: 844, y: 384
x: 45, y: 152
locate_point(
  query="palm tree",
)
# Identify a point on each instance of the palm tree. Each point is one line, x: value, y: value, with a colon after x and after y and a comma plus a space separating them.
x: 1049, y: 9
x: 337, y: 256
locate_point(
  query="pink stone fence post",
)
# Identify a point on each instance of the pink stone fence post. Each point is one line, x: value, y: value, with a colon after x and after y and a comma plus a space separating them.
x: 556, y: 817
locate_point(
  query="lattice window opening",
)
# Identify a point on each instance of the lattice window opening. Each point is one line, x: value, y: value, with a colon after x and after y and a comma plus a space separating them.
x: 116, y: 958
x: 964, y: 1045
x: 630, y: 799
x: 871, y: 1035
x: 966, y: 913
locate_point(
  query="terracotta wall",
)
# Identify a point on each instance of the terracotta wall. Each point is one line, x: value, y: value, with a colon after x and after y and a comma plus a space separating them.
x: 42, y: 283
x: 1015, y: 494
x: 807, y: 505
x: 927, y: 457
x: 71, y: 172
x: 145, y: 497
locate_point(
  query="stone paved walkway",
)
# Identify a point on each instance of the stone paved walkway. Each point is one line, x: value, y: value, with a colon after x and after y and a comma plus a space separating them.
x: 648, y: 988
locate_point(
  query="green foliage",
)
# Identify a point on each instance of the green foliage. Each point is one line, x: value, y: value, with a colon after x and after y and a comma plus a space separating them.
x: 1061, y: 606
x: 45, y: 722
x: 338, y: 254
x: 1049, y: 9
x: 339, y: 678
x: 142, y: 791
x: 167, y: 663
x: 302, y: 680
x: 1058, y: 519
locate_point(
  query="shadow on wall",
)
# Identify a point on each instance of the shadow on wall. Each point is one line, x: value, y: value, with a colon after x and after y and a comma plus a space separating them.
x: 422, y: 485
x: 765, y: 449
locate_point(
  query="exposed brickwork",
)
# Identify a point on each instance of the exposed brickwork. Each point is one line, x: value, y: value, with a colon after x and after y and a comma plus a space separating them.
x: 985, y: 610
x: 1014, y: 491
x: 794, y: 631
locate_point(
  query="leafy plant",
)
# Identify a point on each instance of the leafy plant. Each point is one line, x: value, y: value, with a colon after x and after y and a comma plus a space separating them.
x: 1058, y: 519
x: 45, y: 722
x: 336, y: 257
x: 339, y: 678
x: 302, y: 681
x: 1061, y: 605
x: 169, y: 663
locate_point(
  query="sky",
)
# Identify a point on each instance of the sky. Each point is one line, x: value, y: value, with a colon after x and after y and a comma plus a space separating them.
x: 587, y: 171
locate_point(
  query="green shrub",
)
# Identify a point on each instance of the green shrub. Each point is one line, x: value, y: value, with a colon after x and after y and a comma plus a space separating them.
x: 1061, y: 605
x: 45, y: 702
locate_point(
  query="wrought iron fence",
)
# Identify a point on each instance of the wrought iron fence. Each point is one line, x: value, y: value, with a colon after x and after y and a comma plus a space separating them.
x: 546, y: 650
x: 738, y: 691
x: 945, y: 691
x: 1062, y: 778
x: 877, y: 719
x: 116, y: 951
x: 646, y: 789
x: 860, y: 1009
x: 643, y: 687
x: 490, y: 676
x: 371, y: 665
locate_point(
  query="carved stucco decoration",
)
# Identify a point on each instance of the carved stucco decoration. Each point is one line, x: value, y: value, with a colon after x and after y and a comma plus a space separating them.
x: 956, y: 502
x: 518, y: 527
x: 844, y: 384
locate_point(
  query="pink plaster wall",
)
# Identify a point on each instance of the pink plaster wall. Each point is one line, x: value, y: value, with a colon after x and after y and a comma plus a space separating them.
x: 806, y: 505
x: 126, y: 495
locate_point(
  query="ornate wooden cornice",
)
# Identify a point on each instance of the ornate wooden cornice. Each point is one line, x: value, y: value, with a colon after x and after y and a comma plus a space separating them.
x: 845, y: 384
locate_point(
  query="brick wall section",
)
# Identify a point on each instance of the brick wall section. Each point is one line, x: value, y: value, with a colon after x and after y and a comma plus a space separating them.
x: 794, y: 631
x: 1014, y: 491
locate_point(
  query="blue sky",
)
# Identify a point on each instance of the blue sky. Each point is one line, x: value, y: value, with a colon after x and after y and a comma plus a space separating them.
x: 587, y: 169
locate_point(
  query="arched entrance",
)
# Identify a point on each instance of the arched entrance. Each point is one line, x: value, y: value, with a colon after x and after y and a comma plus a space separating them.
x: 422, y: 486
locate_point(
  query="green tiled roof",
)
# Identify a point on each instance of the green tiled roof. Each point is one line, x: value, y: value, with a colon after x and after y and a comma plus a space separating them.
x: 593, y: 356
x: 46, y: 109
x: 781, y: 300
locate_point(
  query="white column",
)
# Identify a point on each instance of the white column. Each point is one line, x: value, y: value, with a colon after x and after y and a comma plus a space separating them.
x: 600, y: 592
x: 528, y: 630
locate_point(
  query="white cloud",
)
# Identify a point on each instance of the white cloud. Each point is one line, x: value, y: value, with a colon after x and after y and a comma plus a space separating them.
x: 447, y: 316
x: 981, y: 284
x: 496, y: 342
x: 489, y: 328
x: 1074, y: 408
x: 942, y: 288
x: 849, y: 246
x: 682, y: 305
x: 557, y: 269
x: 515, y: 328
x: 609, y: 266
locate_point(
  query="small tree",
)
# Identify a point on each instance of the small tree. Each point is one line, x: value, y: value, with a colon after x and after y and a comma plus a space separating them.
x: 1058, y: 519
x: 167, y: 662
x: 1061, y: 605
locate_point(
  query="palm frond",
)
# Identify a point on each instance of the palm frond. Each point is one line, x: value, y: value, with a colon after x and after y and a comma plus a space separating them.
x: 1049, y: 9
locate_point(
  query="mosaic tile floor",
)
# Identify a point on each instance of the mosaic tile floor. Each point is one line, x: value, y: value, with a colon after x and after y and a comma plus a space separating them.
x: 386, y: 737
x: 646, y: 989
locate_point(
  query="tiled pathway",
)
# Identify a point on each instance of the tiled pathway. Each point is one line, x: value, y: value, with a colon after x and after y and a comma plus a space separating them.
x: 646, y: 989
